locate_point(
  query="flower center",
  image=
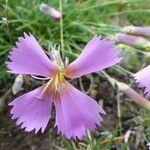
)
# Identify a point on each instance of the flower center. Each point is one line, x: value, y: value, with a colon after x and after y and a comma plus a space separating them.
x: 55, y: 84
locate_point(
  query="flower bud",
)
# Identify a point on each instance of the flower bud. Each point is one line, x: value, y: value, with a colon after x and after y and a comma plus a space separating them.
x: 140, y: 31
x: 55, y: 14
x: 140, y: 100
x: 127, y: 90
x: 17, y: 86
x: 134, y: 41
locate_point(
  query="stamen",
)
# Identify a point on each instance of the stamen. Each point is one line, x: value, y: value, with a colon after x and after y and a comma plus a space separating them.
x: 59, y: 81
x: 38, y: 78
x: 56, y: 85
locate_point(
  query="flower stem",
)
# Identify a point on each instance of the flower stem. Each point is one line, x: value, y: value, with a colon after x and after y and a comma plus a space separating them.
x: 61, y: 28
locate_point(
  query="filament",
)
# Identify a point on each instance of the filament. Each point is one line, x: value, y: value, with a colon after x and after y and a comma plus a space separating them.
x: 38, y: 78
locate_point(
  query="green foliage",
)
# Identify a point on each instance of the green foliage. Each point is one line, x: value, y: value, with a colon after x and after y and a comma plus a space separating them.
x: 81, y: 20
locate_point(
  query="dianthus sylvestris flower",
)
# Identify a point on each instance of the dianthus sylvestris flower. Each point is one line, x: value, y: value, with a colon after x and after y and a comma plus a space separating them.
x: 75, y: 111
x: 143, y: 78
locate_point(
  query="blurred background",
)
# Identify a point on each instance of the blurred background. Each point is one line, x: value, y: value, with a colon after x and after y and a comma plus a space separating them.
x: 126, y: 125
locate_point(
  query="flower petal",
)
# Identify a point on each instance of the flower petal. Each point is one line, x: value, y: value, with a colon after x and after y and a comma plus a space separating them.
x: 31, y: 111
x: 29, y: 58
x: 143, y: 77
x: 98, y: 54
x: 76, y: 112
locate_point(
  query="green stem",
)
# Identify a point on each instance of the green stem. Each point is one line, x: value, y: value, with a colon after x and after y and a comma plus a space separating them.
x: 61, y: 28
x: 7, y: 25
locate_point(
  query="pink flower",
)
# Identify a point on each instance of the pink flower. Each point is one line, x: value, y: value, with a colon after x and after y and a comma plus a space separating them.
x: 75, y: 111
x: 143, y: 78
